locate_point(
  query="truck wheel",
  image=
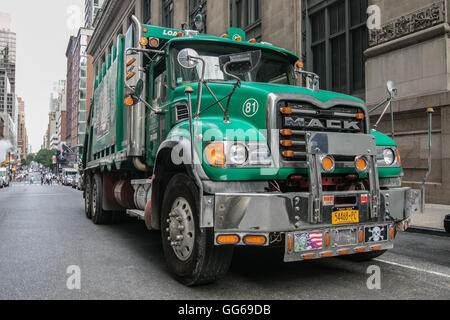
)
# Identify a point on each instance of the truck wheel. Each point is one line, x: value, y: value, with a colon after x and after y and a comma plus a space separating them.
x: 99, y: 216
x: 88, y: 197
x: 366, y: 256
x: 190, y: 252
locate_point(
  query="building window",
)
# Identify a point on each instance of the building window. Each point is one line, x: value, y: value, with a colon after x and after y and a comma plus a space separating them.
x: 146, y: 8
x: 197, y: 7
x: 246, y: 14
x: 167, y: 13
x: 338, y: 38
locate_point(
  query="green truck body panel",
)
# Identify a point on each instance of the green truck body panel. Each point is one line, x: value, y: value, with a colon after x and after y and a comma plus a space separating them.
x: 108, y: 120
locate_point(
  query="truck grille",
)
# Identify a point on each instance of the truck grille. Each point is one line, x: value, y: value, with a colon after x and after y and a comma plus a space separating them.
x: 295, y: 119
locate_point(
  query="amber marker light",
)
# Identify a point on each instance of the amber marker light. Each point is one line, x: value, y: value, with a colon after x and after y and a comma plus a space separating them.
x: 286, y: 143
x: 375, y: 248
x: 179, y: 34
x: 215, y: 154
x: 360, y: 250
x: 290, y: 244
x: 289, y: 154
x: 361, y: 236
x: 392, y: 231
x: 130, y: 62
x: 326, y: 254
x: 308, y: 256
x: 239, y: 38
x: 252, y: 40
x: 327, y: 240
x: 255, y: 240
x: 286, y: 111
x: 328, y: 163
x: 145, y: 30
x: 399, y: 158
x: 300, y: 64
x: 225, y: 36
x: 360, y: 116
x: 286, y: 132
x: 129, y: 101
x: 131, y: 75
x: 143, y: 41
x: 343, y: 252
x: 228, y: 239
x: 361, y: 164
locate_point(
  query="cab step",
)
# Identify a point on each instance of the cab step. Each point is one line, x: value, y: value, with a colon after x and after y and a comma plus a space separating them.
x: 136, y: 213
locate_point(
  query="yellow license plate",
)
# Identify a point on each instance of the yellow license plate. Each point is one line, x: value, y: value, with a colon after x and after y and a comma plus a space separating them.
x: 345, y: 216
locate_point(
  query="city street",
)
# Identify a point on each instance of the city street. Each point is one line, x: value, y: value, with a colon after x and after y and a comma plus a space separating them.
x: 43, y: 231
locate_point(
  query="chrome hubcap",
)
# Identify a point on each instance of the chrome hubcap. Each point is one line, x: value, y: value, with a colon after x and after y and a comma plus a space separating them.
x: 181, y: 229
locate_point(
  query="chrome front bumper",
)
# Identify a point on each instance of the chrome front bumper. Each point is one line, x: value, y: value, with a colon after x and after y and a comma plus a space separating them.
x: 267, y: 213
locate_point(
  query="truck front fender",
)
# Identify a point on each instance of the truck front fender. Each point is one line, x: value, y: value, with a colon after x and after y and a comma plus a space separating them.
x: 174, y: 156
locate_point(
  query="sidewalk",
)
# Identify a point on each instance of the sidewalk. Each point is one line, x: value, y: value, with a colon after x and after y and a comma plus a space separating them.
x: 431, y: 220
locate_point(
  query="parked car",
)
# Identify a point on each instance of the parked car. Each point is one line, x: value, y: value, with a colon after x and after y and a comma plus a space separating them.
x: 4, y: 178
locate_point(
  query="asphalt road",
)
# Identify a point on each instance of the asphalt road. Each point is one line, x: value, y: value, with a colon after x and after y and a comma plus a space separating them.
x: 43, y: 231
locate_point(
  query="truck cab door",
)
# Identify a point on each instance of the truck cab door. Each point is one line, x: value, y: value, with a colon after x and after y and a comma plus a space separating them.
x: 161, y: 100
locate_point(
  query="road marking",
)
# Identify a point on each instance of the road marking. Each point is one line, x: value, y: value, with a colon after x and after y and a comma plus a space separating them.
x: 414, y: 268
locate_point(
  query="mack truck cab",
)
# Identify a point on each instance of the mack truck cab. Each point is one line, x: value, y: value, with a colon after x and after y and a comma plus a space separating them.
x: 220, y: 142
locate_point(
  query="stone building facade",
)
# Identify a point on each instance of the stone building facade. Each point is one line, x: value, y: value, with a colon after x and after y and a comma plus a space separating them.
x: 333, y: 40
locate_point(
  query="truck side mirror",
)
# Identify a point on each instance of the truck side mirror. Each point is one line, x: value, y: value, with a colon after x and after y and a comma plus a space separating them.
x: 240, y: 63
x: 187, y: 58
x: 139, y: 88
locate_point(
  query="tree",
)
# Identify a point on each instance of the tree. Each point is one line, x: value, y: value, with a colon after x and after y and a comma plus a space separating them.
x: 44, y: 157
x: 28, y: 160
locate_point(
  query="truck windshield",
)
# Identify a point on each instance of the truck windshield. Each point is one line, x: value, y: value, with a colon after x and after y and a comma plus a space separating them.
x: 273, y: 67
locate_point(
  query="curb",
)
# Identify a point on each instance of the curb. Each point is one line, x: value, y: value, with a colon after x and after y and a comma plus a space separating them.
x: 430, y: 231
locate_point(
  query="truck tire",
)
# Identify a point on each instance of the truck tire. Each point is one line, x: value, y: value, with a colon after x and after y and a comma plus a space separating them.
x: 88, y: 197
x: 194, y: 260
x: 366, y: 256
x: 99, y: 216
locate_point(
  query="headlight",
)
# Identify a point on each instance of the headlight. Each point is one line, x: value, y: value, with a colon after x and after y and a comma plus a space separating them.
x: 238, y: 154
x: 232, y: 154
x: 389, y: 156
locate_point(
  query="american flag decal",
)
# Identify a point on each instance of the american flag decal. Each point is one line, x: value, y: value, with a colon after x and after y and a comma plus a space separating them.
x: 308, y: 241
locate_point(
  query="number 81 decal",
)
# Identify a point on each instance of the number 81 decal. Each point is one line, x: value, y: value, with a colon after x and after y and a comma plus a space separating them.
x: 250, y: 108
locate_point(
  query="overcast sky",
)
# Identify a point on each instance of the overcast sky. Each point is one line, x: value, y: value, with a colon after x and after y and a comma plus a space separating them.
x: 43, y: 29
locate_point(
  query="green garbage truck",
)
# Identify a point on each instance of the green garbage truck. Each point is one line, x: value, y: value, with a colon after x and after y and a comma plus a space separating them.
x: 219, y: 142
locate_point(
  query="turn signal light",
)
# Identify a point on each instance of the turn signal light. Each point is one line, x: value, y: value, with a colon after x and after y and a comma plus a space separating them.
x: 360, y: 116
x: 290, y: 244
x: 215, y: 154
x: 286, y: 132
x: 360, y: 250
x: 361, y: 164
x: 392, y: 233
x: 328, y: 163
x: 286, y: 110
x: 361, y: 236
x: 375, y: 248
x: 399, y: 158
x: 259, y: 240
x: 228, y: 239
x: 143, y: 41
x: 289, y: 154
x: 343, y: 252
x: 286, y: 143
